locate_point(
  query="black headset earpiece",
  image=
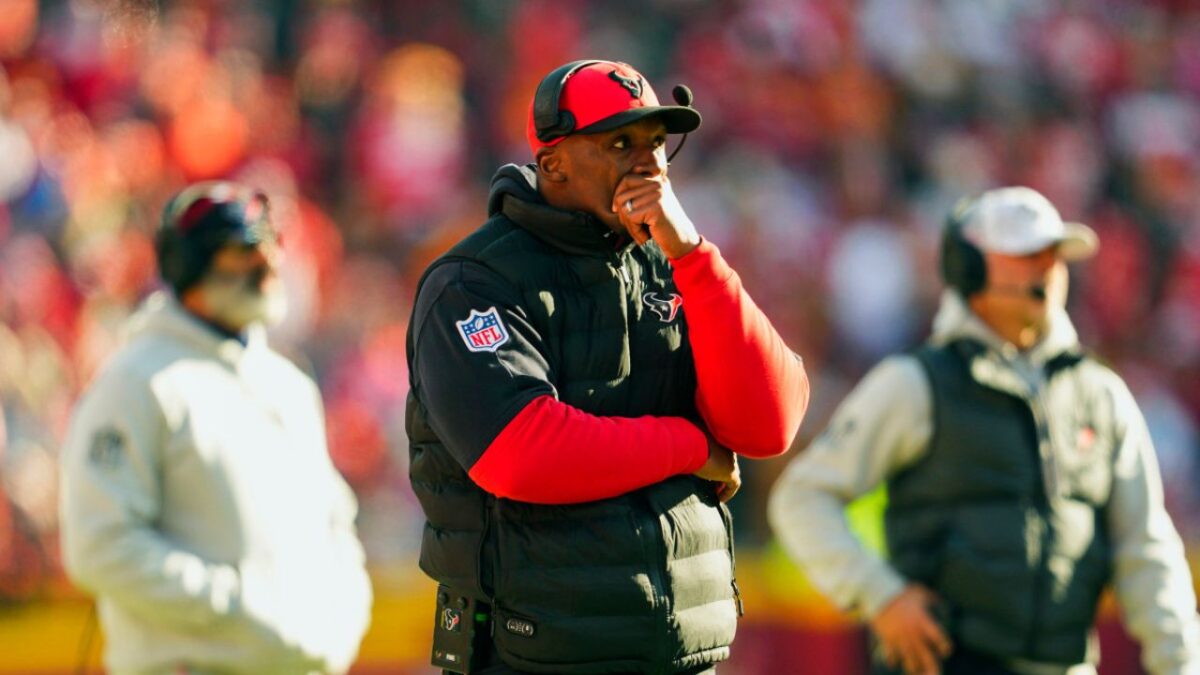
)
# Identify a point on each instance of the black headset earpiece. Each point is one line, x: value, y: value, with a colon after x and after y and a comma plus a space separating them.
x: 963, y: 265
x: 184, y: 256
x: 683, y: 96
x: 549, y: 122
x: 168, y: 244
x: 174, y: 259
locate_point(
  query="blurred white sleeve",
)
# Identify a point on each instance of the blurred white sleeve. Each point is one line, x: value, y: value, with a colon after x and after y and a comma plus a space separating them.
x: 1151, y: 575
x: 883, y: 425
x: 356, y: 596
x: 351, y: 598
x: 110, y: 501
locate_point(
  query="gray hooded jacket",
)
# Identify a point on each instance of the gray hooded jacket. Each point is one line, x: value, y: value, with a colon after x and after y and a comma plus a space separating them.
x: 200, y: 506
x: 892, y: 414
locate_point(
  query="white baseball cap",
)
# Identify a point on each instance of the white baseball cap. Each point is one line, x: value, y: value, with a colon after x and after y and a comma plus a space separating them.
x: 1020, y: 221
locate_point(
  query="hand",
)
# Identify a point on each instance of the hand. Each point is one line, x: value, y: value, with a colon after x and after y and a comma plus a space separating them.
x: 908, y: 634
x: 647, y: 208
x: 721, y: 467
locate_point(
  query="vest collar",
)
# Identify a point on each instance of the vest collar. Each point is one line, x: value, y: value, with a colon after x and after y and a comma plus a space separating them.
x: 956, y: 321
x: 514, y: 194
x: 996, y: 370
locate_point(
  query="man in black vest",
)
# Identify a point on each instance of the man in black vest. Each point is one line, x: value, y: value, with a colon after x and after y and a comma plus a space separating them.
x: 1021, y: 478
x: 585, y: 368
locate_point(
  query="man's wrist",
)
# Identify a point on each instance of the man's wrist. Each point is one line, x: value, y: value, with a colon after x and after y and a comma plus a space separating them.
x: 682, y: 249
x: 879, y: 592
x: 681, y: 245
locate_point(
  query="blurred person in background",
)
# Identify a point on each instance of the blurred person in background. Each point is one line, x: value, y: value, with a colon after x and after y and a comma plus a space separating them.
x: 585, y: 367
x: 830, y: 128
x: 199, y: 503
x: 1020, y: 476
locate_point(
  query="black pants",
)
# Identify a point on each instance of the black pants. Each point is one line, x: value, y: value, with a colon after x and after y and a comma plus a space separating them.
x: 492, y: 665
x: 502, y: 669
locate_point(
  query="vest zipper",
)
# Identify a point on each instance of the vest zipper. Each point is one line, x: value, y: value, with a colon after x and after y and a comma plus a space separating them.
x: 727, y: 518
x: 627, y: 294
x: 489, y: 504
x: 1049, y: 471
x: 628, y: 300
x: 1050, y: 478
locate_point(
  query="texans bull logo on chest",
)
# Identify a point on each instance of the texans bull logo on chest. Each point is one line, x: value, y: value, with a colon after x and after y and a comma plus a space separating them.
x: 483, y: 331
x: 665, y: 305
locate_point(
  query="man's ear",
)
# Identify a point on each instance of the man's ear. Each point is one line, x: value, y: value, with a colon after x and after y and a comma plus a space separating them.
x: 551, y: 164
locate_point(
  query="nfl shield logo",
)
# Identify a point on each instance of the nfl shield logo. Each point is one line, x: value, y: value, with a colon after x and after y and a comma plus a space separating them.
x: 483, y: 331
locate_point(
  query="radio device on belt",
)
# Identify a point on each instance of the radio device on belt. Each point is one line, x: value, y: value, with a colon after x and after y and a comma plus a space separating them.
x: 457, y: 621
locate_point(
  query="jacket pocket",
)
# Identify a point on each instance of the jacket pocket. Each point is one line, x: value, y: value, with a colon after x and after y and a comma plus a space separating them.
x: 699, y: 585
x: 573, y: 587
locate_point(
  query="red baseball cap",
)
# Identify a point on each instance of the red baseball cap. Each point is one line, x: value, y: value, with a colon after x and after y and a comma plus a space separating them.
x: 596, y: 96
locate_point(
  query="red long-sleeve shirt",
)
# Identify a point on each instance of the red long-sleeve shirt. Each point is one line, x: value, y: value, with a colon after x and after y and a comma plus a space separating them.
x: 752, y: 392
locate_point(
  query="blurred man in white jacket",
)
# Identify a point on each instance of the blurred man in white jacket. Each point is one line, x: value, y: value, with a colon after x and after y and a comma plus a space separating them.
x: 199, y: 502
x: 1021, y: 478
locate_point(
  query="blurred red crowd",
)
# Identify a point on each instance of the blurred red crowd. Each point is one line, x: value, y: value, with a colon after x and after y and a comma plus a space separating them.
x: 835, y: 138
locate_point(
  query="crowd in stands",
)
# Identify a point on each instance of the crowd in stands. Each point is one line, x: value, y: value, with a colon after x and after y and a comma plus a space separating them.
x: 836, y: 137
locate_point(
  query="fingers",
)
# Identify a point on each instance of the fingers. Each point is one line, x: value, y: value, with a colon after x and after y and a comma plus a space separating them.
x: 626, y: 192
x: 633, y: 209
x: 924, y: 646
x: 639, y: 221
x: 935, y: 637
x: 633, y: 181
x: 890, y: 657
x: 927, y: 663
x: 913, y: 654
x: 910, y: 660
x: 636, y: 209
x: 640, y: 203
x: 639, y: 231
x: 647, y: 208
x: 635, y: 196
x: 928, y: 626
x: 908, y: 635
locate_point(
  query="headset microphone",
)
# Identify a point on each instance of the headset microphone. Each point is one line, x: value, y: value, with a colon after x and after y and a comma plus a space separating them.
x: 1037, y: 291
x: 683, y: 96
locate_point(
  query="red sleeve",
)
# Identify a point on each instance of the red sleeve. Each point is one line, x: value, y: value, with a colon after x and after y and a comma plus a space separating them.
x: 553, y: 453
x: 752, y: 390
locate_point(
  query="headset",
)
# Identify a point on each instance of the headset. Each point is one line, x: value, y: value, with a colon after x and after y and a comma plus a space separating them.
x: 200, y: 220
x: 962, y: 263
x: 548, y: 121
x: 963, y: 266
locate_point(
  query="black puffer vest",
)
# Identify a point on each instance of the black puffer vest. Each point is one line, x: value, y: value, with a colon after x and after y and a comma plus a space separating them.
x: 1004, y: 517
x: 642, y: 582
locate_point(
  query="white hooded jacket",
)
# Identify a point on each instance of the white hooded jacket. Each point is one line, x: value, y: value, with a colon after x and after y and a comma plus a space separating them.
x: 200, y: 505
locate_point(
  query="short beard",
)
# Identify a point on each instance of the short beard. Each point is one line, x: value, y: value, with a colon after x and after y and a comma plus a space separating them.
x: 236, y: 303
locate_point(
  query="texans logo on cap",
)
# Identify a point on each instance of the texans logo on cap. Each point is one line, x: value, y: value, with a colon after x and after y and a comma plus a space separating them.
x: 632, y: 84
